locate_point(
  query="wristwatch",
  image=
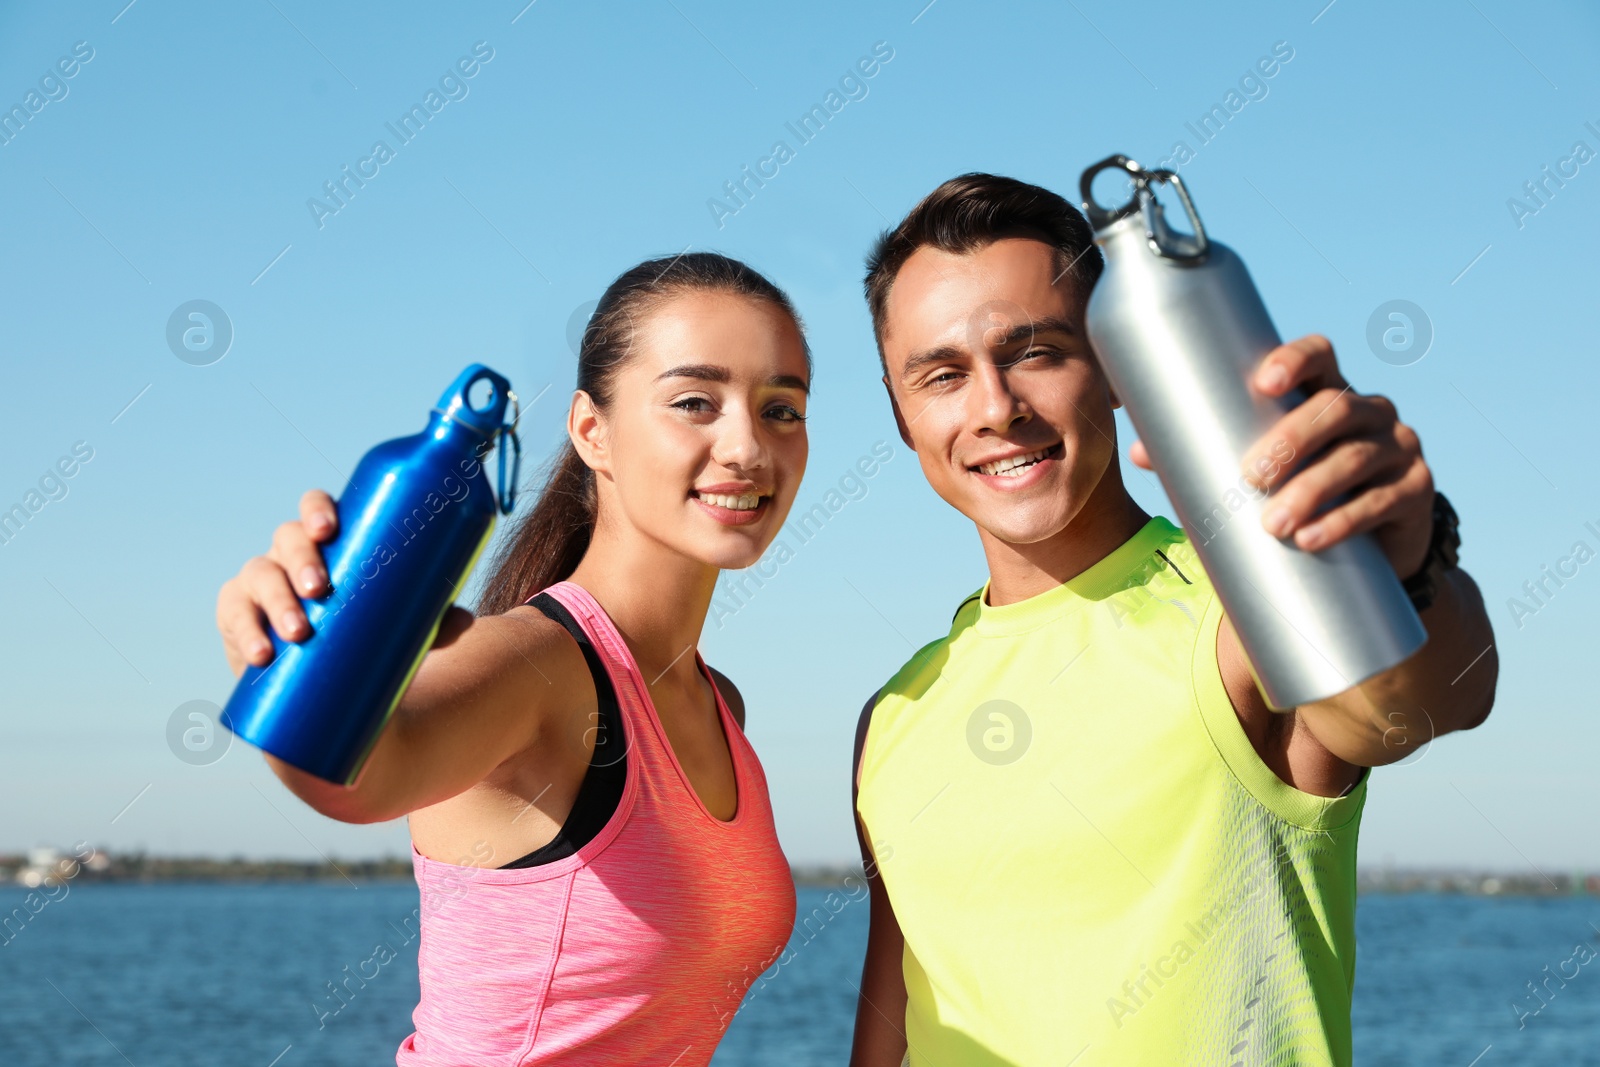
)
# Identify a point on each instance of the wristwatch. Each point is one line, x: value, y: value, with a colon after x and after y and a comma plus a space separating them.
x: 1443, y: 551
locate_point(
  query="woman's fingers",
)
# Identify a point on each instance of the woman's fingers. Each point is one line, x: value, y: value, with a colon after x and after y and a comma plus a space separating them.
x: 272, y: 595
x: 300, y: 557
x: 260, y: 591
x: 267, y: 590
x: 319, y: 515
x: 243, y: 640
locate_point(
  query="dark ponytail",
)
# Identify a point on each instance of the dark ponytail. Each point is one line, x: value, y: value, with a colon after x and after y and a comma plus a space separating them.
x: 548, y: 542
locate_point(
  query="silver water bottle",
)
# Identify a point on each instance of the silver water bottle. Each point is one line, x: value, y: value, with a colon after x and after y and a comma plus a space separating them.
x: 1180, y: 330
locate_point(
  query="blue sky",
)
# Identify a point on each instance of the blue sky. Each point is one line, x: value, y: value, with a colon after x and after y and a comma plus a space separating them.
x: 1379, y: 162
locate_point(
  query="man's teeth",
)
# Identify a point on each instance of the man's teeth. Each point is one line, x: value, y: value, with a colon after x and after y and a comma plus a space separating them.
x: 1013, y: 467
x: 732, y: 501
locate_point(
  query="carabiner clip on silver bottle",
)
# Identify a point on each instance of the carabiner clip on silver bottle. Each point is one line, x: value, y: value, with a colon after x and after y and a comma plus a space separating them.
x: 1163, y: 240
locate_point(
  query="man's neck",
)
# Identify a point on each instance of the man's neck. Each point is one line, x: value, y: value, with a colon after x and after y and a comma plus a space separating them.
x: 1106, y: 521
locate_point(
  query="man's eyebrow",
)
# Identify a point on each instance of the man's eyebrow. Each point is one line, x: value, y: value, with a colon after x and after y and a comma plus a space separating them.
x: 1022, y: 331
x: 709, y: 372
x: 1050, y: 324
x: 919, y: 360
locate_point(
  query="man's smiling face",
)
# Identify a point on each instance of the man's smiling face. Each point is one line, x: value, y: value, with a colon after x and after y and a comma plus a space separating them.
x: 995, y: 387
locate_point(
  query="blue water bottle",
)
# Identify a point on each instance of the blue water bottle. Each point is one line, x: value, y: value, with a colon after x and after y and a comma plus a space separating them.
x: 412, y: 522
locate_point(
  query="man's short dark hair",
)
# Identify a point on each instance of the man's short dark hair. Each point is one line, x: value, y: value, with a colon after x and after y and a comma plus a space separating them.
x: 969, y: 212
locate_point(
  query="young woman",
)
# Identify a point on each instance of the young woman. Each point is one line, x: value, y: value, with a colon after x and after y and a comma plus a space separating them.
x: 591, y: 833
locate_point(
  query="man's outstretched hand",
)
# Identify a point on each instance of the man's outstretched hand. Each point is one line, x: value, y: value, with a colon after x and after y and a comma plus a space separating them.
x: 1342, y: 444
x: 1359, y: 449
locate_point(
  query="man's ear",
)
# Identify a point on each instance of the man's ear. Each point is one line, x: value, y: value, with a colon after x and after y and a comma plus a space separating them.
x: 587, y: 432
x: 899, y: 418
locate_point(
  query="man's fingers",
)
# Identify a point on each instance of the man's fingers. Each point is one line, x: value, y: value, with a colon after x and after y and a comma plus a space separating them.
x: 299, y: 556
x: 319, y: 515
x: 1351, y: 463
x: 1376, y: 509
x: 1307, y: 362
x: 1325, y: 417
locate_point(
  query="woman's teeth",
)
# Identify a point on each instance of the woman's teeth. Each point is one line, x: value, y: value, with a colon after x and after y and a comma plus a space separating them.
x: 732, y: 501
x: 1015, y: 466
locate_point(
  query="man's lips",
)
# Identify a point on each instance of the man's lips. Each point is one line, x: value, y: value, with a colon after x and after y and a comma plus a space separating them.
x: 1016, y: 465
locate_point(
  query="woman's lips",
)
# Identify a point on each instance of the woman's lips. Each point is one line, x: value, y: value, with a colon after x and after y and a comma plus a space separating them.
x: 732, y: 516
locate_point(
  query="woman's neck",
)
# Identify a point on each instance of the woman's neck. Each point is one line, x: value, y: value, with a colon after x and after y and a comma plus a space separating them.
x: 655, y: 597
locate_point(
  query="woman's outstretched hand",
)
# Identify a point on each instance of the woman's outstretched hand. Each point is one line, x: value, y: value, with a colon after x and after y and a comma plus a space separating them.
x: 268, y: 588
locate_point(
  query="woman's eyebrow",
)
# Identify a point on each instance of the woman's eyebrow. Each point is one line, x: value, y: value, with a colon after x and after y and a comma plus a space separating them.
x: 789, y: 381
x: 704, y: 372
x: 708, y: 372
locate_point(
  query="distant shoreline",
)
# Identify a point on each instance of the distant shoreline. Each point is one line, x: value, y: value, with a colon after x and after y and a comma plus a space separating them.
x: 45, y: 866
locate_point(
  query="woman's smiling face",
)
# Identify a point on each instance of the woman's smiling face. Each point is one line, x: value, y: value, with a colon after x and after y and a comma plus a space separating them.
x: 703, y: 444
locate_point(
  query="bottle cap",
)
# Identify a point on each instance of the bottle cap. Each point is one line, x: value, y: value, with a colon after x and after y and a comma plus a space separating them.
x: 481, y: 408
x: 1163, y: 240
x: 478, y: 399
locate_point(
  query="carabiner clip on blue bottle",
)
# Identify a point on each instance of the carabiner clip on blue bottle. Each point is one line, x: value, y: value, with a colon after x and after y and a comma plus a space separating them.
x: 508, y: 489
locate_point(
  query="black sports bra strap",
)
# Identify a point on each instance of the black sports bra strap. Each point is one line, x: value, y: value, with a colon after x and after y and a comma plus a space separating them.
x: 604, y: 782
x: 557, y: 612
x: 610, y: 712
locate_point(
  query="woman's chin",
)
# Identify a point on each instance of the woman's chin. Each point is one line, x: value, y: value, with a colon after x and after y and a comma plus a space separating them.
x: 735, y: 561
x: 732, y: 547
x: 728, y: 551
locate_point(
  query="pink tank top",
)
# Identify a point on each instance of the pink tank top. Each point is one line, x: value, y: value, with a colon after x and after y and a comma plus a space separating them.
x: 638, y: 948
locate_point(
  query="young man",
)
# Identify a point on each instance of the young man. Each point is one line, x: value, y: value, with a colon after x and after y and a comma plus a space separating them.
x: 1091, y: 840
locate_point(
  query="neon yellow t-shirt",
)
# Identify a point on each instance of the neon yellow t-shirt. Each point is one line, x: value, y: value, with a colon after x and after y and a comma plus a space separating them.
x: 1089, y: 861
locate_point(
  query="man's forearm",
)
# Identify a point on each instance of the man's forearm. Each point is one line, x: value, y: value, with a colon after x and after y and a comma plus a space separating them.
x: 1448, y: 685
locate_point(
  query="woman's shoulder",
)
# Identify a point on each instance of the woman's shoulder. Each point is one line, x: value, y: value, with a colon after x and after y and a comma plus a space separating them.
x: 521, y: 652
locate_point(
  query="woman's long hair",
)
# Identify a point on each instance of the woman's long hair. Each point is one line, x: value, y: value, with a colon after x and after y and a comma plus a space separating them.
x: 549, y: 540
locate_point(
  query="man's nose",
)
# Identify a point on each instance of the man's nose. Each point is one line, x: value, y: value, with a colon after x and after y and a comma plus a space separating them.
x: 994, y: 406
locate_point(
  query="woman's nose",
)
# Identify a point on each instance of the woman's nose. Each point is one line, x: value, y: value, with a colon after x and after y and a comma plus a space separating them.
x: 738, y: 445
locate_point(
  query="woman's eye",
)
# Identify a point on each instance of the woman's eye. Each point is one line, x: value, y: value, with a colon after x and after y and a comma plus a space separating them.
x: 786, y: 413
x: 695, y: 405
